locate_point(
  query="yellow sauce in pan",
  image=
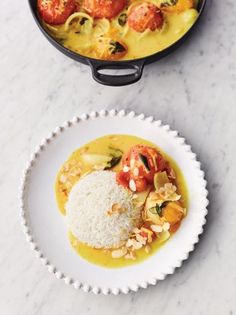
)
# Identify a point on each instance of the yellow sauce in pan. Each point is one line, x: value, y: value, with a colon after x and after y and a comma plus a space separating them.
x: 101, y: 146
x: 85, y: 40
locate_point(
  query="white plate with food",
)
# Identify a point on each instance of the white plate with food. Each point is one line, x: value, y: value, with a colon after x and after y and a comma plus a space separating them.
x: 113, y: 201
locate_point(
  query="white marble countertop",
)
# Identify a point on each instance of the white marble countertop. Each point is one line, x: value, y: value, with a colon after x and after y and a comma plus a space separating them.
x: 193, y: 90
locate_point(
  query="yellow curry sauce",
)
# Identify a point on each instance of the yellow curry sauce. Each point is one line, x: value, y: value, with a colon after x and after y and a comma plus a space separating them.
x: 91, y: 38
x: 76, y: 166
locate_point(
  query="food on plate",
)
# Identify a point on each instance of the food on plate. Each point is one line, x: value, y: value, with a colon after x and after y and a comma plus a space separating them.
x: 116, y: 29
x: 122, y: 198
x: 140, y: 165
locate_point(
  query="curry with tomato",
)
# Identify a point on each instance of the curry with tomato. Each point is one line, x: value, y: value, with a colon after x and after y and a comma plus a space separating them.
x: 117, y: 29
x: 153, y: 181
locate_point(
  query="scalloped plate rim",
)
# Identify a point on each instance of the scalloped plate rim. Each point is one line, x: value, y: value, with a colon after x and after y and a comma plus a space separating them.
x: 23, y: 212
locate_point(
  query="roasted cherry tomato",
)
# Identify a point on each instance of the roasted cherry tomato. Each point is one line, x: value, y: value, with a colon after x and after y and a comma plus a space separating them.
x: 145, y: 16
x: 144, y: 162
x: 104, y: 8
x: 139, y: 166
x: 56, y: 12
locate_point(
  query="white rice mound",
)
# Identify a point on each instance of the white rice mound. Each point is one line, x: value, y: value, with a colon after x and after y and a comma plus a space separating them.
x: 87, y: 206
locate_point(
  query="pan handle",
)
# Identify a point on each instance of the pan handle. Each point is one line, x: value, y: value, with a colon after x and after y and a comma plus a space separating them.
x: 116, y: 80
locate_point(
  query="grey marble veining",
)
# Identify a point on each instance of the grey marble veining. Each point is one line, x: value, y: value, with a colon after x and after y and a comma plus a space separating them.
x: 193, y: 90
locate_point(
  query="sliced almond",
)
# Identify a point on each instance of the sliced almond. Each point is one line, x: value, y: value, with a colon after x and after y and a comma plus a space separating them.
x: 126, y: 169
x: 141, y: 239
x: 137, y: 245
x: 136, y: 230
x: 136, y: 172
x: 166, y: 226
x: 130, y: 242
x: 172, y: 173
x: 156, y: 228
x: 132, y: 185
x: 119, y: 253
x: 132, y: 163
x: 130, y: 255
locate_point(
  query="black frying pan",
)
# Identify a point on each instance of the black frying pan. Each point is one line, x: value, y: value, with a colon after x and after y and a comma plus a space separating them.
x: 97, y: 65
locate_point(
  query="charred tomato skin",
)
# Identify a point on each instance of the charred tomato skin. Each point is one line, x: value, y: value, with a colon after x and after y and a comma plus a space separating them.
x: 104, y: 8
x: 56, y: 12
x: 145, y: 16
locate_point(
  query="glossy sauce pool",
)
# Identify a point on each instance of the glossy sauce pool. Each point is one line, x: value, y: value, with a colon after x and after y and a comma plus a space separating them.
x: 101, y: 146
x: 84, y: 42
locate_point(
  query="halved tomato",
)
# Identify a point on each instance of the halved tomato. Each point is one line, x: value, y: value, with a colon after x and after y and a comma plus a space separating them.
x: 104, y: 8
x: 56, y: 12
x: 144, y: 162
x: 140, y: 164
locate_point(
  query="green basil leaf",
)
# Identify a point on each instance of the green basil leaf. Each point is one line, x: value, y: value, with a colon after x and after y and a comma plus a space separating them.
x: 116, y: 47
x: 158, y: 209
x: 144, y: 160
x: 114, y: 161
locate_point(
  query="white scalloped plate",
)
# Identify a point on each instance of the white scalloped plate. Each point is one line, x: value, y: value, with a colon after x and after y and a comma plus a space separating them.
x: 45, y: 228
